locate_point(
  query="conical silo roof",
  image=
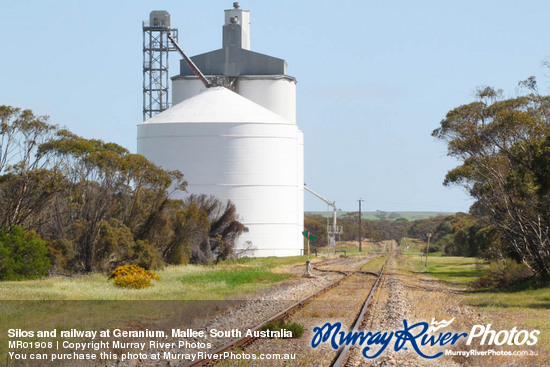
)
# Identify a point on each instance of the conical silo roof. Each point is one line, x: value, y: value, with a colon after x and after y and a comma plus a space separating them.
x: 217, y: 105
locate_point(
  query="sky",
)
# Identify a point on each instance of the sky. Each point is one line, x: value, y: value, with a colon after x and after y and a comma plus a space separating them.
x: 374, y: 77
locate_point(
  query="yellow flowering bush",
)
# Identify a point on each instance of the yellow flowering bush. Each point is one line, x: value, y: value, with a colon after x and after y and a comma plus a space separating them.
x: 132, y: 276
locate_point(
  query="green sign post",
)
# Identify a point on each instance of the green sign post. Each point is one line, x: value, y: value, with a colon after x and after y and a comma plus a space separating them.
x: 309, y: 237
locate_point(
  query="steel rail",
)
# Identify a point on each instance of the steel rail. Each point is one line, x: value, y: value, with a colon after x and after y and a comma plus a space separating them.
x: 346, y: 273
x: 342, y: 355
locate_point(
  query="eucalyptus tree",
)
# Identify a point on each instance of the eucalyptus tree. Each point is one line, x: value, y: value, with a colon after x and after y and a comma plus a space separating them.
x: 504, y: 147
x: 27, y: 184
x: 106, y: 181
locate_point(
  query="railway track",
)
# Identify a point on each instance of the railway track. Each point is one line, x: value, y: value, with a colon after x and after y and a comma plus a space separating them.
x: 343, y: 353
x: 351, y: 280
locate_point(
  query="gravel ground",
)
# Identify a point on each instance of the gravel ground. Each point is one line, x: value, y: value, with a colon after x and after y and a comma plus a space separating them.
x: 392, y: 305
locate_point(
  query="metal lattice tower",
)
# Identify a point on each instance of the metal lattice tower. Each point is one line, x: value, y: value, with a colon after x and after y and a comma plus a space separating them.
x: 156, y: 48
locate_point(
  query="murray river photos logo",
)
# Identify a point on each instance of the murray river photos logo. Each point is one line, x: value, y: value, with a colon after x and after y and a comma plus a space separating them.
x: 417, y: 336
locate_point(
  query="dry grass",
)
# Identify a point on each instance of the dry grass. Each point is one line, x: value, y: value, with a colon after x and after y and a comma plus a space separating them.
x: 375, y: 265
x: 189, y: 282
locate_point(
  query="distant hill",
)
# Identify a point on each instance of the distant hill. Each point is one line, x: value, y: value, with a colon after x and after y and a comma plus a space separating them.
x: 389, y: 215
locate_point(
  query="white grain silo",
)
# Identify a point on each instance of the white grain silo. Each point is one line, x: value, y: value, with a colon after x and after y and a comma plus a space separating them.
x: 239, y: 143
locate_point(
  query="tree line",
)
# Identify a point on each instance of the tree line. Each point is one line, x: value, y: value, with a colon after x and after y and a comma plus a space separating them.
x: 71, y: 204
x: 377, y: 230
x: 458, y: 235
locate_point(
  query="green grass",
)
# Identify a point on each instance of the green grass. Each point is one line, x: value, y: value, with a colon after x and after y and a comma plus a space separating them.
x: 537, y: 299
x: 375, y: 265
x: 455, y: 270
x: 225, y: 281
x: 450, y: 269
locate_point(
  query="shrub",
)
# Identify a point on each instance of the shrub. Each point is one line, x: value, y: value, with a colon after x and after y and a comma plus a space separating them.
x: 503, y: 273
x: 23, y: 255
x: 116, y: 247
x: 273, y: 325
x: 132, y: 276
x: 277, y: 325
x: 296, y: 329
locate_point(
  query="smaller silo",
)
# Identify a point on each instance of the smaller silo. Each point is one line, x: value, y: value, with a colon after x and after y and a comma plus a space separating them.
x: 261, y: 78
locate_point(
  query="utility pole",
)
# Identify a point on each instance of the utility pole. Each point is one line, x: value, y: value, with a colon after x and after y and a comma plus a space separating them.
x: 427, y: 249
x: 360, y: 229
